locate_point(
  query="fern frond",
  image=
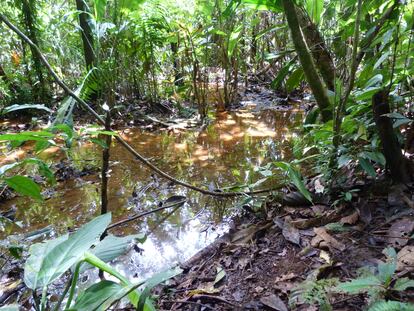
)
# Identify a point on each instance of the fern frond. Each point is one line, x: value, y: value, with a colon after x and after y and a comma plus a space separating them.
x: 391, y: 306
x: 359, y: 285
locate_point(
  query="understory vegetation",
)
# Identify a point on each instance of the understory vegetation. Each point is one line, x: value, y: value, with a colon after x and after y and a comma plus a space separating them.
x: 83, y: 72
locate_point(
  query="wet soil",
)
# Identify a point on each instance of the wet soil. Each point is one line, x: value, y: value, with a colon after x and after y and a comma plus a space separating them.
x: 264, y: 262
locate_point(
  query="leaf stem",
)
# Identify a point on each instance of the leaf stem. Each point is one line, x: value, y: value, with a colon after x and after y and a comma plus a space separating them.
x: 73, y: 284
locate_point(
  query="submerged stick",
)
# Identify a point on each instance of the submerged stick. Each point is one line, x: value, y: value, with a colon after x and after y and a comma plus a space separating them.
x: 123, y: 142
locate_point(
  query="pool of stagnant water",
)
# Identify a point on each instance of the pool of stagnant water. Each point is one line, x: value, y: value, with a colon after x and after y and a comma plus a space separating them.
x: 226, y: 153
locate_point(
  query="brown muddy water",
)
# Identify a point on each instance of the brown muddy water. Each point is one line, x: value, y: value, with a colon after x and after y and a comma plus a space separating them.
x: 224, y: 154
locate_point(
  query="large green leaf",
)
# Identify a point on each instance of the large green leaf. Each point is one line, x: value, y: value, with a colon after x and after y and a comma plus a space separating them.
x: 27, y: 136
x: 112, y: 247
x: 367, y: 166
x: 314, y: 8
x: 66, y: 254
x: 24, y: 186
x: 101, y: 296
x: 25, y: 106
x: 283, y: 73
x: 294, y: 80
x: 37, y: 253
x: 44, y: 169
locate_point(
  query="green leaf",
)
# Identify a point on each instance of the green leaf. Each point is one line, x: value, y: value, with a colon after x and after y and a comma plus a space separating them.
x: 26, y: 136
x: 277, y: 82
x: 294, y: 80
x: 25, y: 106
x: 366, y: 93
x: 7, y: 167
x: 10, y: 308
x: 37, y: 253
x: 44, y: 169
x: 296, y: 179
x: 375, y: 156
x: 391, y: 306
x: 112, y: 247
x: 152, y: 282
x: 268, y: 5
x: 374, y: 81
x: 98, y: 294
x: 381, y: 59
x: 403, y: 283
x: 24, y: 186
x: 234, y: 38
x: 66, y: 254
x: 314, y: 9
x: 367, y: 166
x: 359, y: 285
x: 100, y: 6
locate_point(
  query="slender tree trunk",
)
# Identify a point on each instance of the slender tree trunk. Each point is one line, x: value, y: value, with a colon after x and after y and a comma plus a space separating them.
x: 3, y: 75
x: 178, y: 76
x: 105, y: 166
x: 396, y: 162
x: 28, y: 11
x: 318, y: 48
x: 319, y: 90
x: 86, y: 33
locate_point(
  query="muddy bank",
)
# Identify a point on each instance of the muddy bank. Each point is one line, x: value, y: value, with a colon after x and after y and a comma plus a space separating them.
x: 265, y: 261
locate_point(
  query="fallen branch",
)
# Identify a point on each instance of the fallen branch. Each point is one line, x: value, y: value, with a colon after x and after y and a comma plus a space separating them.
x: 128, y: 147
x: 124, y: 221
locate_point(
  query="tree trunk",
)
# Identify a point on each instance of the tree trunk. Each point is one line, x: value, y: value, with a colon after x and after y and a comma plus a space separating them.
x: 396, y: 162
x: 3, y: 75
x: 87, y: 37
x: 315, y: 82
x: 320, y: 53
x: 178, y: 76
x: 29, y: 22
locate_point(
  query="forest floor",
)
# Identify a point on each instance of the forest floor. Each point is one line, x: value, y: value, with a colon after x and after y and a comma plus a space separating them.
x: 269, y: 259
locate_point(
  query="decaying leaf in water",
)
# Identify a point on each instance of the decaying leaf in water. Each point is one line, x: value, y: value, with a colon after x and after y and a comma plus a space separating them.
x: 405, y: 258
x: 399, y: 232
x: 274, y: 302
x: 323, y: 238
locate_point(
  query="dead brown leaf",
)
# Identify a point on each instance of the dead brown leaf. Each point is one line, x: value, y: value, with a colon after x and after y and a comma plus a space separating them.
x: 323, y: 236
x: 290, y: 233
x: 405, y: 258
x: 246, y: 235
x: 400, y: 231
x: 350, y: 219
x: 274, y: 302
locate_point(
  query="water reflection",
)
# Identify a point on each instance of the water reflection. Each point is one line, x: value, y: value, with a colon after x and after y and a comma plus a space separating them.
x: 223, y: 154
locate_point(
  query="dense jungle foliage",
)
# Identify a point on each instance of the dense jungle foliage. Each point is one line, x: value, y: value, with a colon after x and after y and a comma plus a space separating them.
x: 67, y: 64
